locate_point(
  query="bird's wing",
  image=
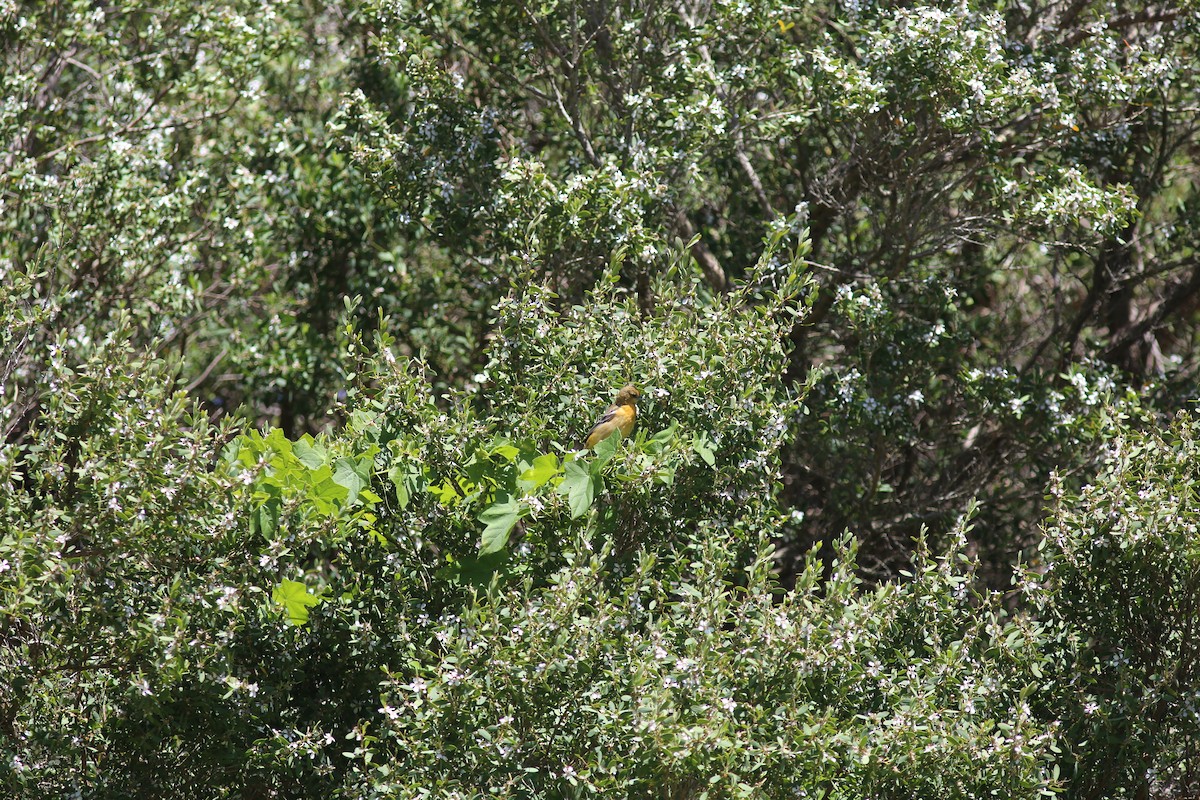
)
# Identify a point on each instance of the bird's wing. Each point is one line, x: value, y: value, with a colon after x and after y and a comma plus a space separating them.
x: 609, y: 415
x: 604, y: 426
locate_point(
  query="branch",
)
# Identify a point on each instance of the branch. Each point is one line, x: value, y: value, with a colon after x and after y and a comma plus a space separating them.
x: 1178, y: 295
x: 752, y: 176
x: 709, y: 265
x: 203, y: 376
x: 576, y: 128
x: 1123, y: 21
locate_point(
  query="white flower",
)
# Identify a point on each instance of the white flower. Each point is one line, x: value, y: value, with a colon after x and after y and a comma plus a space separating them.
x: 228, y: 597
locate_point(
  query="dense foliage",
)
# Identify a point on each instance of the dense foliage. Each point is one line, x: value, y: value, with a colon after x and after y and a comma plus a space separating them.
x: 306, y: 308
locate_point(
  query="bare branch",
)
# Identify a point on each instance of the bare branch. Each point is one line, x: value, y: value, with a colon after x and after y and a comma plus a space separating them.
x: 709, y: 264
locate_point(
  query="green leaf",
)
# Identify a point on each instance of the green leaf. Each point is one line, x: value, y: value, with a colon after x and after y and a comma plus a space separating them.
x: 326, y: 494
x: 354, y: 474
x: 606, y: 448
x: 474, y: 570
x: 295, y: 599
x: 408, y: 480
x: 658, y: 441
x: 499, y: 519
x: 579, y: 484
x: 506, y: 451
x: 445, y: 493
x: 265, y: 519
x: 704, y: 448
x: 278, y: 441
x: 402, y: 495
x: 310, y: 455
x: 543, y: 469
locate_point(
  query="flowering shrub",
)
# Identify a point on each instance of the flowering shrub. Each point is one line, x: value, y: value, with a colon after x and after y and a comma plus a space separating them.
x: 315, y: 621
x: 686, y: 676
x: 1118, y: 574
x: 305, y: 310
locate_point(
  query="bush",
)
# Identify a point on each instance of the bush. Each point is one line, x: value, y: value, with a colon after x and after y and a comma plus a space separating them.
x: 305, y: 312
x: 1121, y: 573
x: 325, y: 616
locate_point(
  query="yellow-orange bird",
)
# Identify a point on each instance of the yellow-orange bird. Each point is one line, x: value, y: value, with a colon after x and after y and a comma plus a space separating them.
x: 620, y: 416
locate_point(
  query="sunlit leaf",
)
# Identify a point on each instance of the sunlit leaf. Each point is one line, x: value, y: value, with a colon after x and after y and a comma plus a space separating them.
x: 295, y: 599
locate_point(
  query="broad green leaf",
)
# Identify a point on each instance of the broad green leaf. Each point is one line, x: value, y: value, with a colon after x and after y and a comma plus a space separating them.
x: 476, y: 570
x: 326, y: 488
x: 408, y: 480
x: 704, y: 448
x: 606, y: 448
x: 543, y: 469
x: 277, y: 441
x: 580, y: 487
x: 310, y: 455
x: 265, y: 518
x: 446, y: 493
x: 352, y: 473
x: 499, y: 519
x: 295, y: 599
x: 396, y: 474
x: 480, y: 470
x: 661, y: 439
x: 506, y: 451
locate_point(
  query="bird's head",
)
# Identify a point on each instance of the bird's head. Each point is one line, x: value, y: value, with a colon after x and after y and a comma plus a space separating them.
x: 628, y: 396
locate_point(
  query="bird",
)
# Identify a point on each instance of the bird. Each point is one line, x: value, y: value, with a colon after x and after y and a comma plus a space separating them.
x: 620, y: 416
